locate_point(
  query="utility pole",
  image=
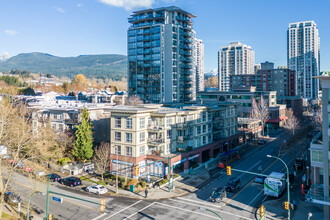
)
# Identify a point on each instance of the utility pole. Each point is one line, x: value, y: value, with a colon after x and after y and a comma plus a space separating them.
x: 116, y: 149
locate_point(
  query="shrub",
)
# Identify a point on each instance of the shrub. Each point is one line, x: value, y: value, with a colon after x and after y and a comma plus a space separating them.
x: 176, y: 175
x: 143, y: 184
x: 133, y: 182
x: 121, y: 179
x: 163, y: 182
x: 64, y: 160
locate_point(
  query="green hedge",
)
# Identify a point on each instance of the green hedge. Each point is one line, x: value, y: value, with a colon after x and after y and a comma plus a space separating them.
x: 163, y: 182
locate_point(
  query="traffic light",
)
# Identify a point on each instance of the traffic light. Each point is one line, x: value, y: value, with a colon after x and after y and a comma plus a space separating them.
x: 262, y: 211
x: 137, y: 171
x: 286, y: 205
x: 229, y: 170
x: 102, y: 205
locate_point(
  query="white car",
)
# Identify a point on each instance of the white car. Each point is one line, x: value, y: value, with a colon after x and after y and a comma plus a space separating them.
x: 98, y: 189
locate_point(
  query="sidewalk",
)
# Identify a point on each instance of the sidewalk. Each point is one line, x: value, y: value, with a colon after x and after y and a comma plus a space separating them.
x: 187, y: 183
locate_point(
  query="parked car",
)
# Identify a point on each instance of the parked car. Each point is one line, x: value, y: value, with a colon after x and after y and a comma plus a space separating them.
x: 299, y: 163
x: 262, y: 142
x: 233, y: 184
x: 54, y: 177
x: 71, y: 181
x: 218, y: 194
x: 98, y: 189
x: 260, y: 179
x: 12, y: 198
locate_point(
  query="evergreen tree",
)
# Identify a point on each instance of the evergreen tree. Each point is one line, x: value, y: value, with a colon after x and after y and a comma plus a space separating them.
x: 83, y: 149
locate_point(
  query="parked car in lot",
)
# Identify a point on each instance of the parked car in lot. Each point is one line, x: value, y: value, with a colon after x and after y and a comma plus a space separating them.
x: 12, y: 198
x: 54, y: 177
x: 218, y: 194
x: 71, y: 181
x: 262, y: 142
x: 260, y: 179
x: 98, y: 189
x: 233, y: 184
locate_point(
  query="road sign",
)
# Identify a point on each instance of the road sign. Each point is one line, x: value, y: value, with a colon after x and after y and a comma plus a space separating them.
x: 57, y: 199
x: 159, y: 164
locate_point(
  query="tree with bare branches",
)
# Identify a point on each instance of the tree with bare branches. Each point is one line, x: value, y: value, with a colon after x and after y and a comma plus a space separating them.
x: 134, y: 100
x: 259, y: 110
x: 23, y: 144
x: 291, y: 122
x: 102, y: 158
x: 317, y: 119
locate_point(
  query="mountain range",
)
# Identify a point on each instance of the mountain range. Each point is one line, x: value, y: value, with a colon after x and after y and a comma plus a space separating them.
x: 113, y: 66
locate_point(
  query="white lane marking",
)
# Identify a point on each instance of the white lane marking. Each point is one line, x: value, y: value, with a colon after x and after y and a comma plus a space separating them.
x: 140, y: 210
x: 100, y: 216
x: 264, y: 199
x: 174, y: 207
x: 253, y: 199
x: 204, y: 203
x: 123, y: 209
x: 228, y: 213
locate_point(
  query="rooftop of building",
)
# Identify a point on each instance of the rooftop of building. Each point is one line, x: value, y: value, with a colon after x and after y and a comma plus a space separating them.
x: 170, y: 9
x: 304, y: 23
x: 247, y: 120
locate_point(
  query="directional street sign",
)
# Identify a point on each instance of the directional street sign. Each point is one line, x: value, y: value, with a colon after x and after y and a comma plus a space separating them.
x: 57, y: 199
x: 159, y: 164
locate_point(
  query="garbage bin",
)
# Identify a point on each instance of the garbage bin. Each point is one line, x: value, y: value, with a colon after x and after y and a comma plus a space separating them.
x: 131, y: 188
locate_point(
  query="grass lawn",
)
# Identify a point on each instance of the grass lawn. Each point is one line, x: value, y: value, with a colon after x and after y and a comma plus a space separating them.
x: 6, y: 216
x: 96, y: 182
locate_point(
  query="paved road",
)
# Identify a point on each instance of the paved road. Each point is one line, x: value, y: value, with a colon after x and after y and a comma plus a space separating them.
x: 238, y: 205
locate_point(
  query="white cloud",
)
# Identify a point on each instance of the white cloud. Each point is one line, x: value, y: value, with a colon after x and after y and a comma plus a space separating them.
x: 129, y: 4
x: 79, y: 5
x: 10, y: 32
x: 61, y: 10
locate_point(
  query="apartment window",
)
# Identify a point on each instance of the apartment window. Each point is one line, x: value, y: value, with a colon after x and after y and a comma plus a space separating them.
x: 199, y: 118
x: 169, y: 121
x: 317, y: 156
x: 129, y: 151
x: 199, y: 143
x: 204, y: 139
x: 117, y: 149
x: 204, y: 116
x: 142, y: 150
x: 117, y: 136
x: 169, y: 134
x: 209, y: 138
x: 209, y: 116
x: 129, y: 123
x: 117, y: 122
x: 142, y: 137
x: 142, y: 123
x: 198, y: 130
x: 204, y: 128
x: 60, y: 127
x: 190, y: 131
x: 129, y: 137
x: 209, y: 127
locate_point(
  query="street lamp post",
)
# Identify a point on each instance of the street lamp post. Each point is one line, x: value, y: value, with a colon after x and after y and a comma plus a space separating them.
x: 309, y: 215
x: 201, y: 208
x: 287, y: 180
x: 28, y: 205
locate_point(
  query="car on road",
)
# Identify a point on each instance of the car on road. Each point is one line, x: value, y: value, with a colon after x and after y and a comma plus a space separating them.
x: 218, y: 194
x: 71, y: 181
x: 97, y: 189
x: 299, y: 163
x: 259, y: 179
x: 54, y: 177
x: 262, y: 142
x: 12, y: 198
x: 233, y: 184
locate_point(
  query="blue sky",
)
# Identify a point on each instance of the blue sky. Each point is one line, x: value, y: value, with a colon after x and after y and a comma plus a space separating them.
x: 75, y: 27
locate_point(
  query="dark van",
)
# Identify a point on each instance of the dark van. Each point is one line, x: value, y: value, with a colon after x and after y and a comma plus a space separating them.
x: 233, y: 184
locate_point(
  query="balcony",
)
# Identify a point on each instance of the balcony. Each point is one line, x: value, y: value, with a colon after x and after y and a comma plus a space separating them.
x: 71, y: 121
x: 156, y: 128
x: 154, y: 141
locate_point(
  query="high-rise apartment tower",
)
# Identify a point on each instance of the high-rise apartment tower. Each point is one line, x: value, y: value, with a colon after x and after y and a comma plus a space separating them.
x: 235, y: 59
x: 161, y: 66
x: 199, y: 61
x: 304, y: 56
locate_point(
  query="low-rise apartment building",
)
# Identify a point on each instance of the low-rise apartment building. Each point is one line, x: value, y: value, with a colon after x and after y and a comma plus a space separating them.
x: 188, y: 135
x: 251, y: 127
